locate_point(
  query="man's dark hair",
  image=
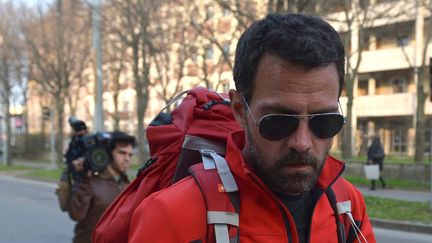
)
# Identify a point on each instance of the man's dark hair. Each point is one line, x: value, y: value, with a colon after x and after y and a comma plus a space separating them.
x: 121, y: 138
x: 305, y: 41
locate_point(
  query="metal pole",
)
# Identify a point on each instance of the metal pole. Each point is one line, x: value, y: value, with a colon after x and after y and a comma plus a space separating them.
x: 430, y: 161
x: 2, y: 140
x: 52, y: 141
x: 430, y: 136
x: 98, y: 115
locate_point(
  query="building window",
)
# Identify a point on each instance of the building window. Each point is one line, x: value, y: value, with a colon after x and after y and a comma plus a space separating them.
x: 428, y: 140
x: 209, y: 12
x: 362, y: 88
x: 398, y: 138
x: 226, y: 48
x: 226, y: 12
x: 194, y: 54
x: 402, y: 41
x: 399, y: 85
x: 209, y: 53
x: 194, y: 57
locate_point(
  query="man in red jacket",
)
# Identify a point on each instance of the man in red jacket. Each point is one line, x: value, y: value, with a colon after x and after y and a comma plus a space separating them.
x: 289, y: 74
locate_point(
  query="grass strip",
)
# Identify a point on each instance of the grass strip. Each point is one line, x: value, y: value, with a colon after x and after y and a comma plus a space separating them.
x: 399, y: 210
x: 6, y: 168
x: 390, y: 183
x: 44, y: 174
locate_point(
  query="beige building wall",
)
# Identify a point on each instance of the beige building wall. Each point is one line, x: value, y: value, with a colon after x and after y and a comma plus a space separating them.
x: 385, y: 95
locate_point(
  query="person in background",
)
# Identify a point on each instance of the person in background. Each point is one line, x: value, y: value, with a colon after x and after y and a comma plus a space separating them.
x: 375, y: 155
x: 95, y: 192
x: 75, y: 151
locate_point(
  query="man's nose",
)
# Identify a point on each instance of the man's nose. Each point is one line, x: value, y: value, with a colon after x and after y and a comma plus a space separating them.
x: 301, y: 139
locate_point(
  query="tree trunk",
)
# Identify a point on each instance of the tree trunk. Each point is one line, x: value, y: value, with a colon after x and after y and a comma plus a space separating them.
x: 347, y: 135
x: 116, y: 111
x: 141, y: 96
x: 59, y: 134
x: 6, y: 155
x: 420, y: 129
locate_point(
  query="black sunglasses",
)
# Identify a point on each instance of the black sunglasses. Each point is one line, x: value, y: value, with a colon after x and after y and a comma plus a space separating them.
x: 278, y: 126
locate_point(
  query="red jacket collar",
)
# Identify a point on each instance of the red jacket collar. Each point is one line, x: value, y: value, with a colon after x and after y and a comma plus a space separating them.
x: 333, y: 168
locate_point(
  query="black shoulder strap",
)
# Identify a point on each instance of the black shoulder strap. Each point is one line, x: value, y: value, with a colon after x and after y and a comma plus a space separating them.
x: 340, y: 227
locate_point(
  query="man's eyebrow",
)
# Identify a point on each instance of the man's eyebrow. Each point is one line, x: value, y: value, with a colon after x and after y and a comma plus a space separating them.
x: 327, y: 110
x: 281, y: 109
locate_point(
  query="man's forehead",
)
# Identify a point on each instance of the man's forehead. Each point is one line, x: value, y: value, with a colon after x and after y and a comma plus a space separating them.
x: 276, y: 73
x: 123, y: 146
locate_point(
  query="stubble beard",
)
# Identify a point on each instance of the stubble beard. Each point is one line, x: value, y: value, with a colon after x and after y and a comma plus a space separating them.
x: 286, y: 183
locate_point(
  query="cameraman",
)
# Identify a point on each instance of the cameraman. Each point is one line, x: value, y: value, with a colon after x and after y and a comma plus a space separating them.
x: 74, y: 155
x: 97, y: 190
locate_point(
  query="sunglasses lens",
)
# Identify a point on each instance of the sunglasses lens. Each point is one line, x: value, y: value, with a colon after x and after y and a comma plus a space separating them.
x: 276, y: 127
x: 326, y: 125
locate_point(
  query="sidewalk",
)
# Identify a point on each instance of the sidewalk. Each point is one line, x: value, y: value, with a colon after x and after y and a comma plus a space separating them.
x: 412, y: 196
x: 48, y: 166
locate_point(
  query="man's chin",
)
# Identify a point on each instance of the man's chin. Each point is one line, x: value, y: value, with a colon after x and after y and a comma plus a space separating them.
x: 295, y: 183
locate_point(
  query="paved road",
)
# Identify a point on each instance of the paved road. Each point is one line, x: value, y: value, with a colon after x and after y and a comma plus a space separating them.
x: 29, y: 213
x: 394, y: 236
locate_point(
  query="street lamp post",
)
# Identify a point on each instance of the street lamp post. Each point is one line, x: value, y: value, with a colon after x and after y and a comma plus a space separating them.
x: 96, y: 18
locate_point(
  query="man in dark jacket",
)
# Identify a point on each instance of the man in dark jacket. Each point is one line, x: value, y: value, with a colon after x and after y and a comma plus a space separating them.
x: 75, y: 149
x: 375, y: 155
x: 96, y: 191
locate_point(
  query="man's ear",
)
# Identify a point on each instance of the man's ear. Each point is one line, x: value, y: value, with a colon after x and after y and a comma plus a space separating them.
x: 237, y: 106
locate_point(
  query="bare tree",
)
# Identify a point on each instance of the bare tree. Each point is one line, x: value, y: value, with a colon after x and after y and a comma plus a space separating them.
x: 421, y: 70
x: 58, y: 46
x: 174, y: 49
x: 114, y: 67
x: 11, y: 70
x: 115, y: 64
x: 214, y: 36
x: 132, y: 23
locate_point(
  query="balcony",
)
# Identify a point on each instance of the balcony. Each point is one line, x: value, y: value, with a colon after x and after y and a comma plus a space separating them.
x: 401, y: 104
x: 386, y: 59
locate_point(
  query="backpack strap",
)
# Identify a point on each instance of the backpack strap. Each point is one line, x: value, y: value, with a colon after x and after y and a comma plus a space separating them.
x: 190, y: 154
x: 347, y: 228
x: 340, y: 220
x: 220, y: 193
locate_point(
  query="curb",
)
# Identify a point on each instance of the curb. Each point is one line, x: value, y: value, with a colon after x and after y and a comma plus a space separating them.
x: 402, y: 225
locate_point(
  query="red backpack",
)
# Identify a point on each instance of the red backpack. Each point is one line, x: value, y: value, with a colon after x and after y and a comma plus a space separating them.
x: 190, y: 141
x: 203, y: 120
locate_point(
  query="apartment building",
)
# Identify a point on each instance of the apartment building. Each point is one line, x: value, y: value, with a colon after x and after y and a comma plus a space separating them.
x: 385, y: 91
x: 392, y: 43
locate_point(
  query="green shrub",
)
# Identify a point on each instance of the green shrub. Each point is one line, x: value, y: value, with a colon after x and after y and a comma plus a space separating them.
x: 31, y: 146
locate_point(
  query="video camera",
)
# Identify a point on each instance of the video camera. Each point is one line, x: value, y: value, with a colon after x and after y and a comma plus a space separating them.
x: 97, y: 151
x: 95, y: 148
